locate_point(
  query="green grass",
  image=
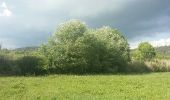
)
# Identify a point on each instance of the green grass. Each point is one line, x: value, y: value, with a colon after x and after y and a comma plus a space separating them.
x: 153, y: 86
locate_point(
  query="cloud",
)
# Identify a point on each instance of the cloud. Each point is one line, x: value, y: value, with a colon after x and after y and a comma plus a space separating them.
x: 161, y: 42
x: 155, y: 43
x: 135, y: 18
x: 36, y: 20
x: 4, y: 5
x: 5, y: 10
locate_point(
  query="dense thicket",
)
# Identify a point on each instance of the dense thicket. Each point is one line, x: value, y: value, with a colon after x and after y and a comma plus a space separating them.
x: 14, y: 62
x: 29, y: 65
x: 74, y: 48
x: 6, y: 64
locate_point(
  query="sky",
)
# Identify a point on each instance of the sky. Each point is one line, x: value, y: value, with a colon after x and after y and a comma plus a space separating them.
x: 31, y: 22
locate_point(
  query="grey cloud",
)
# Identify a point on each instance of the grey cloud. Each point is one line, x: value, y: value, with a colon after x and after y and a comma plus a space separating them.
x: 136, y: 18
x: 33, y: 21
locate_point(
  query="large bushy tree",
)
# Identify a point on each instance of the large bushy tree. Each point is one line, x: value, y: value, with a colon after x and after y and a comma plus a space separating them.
x: 75, y: 48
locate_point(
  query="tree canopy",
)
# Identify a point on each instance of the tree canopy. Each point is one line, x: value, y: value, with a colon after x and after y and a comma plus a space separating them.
x: 145, y: 51
x: 76, y: 48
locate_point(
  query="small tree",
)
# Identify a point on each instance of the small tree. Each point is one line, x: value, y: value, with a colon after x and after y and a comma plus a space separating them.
x: 146, y: 51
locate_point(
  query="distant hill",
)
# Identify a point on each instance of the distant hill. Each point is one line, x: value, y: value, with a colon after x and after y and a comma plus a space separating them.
x: 164, y: 50
x: 27, y: 49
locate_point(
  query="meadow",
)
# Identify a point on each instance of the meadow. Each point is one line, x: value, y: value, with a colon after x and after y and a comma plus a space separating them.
x: 146, y: 86
x: 80, y: 63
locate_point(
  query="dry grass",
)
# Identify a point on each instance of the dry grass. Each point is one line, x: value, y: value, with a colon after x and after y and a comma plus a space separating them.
x: 159, y: 65
x: 156, y: 65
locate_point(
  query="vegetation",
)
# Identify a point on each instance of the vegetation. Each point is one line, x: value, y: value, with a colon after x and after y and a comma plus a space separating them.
x: 154, y: 86
x: 6, y: 65
x: 76, y: 49
x: 145, y: 51
x: 29, y: 65
x: 163, y: 52
x: 96, y: 63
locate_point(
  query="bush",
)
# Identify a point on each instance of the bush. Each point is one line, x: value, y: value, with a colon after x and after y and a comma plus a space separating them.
x: 75, y: 49
x: 29, y: 65
x: 7, y: 65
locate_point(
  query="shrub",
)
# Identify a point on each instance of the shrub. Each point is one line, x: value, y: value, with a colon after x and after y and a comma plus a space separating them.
x: 7, y: 65
x: 31, y: 65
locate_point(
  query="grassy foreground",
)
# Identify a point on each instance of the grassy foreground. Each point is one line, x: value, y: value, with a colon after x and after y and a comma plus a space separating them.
x: 153, y: 86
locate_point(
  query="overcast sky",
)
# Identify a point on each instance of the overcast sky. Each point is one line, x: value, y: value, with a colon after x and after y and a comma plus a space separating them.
x: 31, y: 22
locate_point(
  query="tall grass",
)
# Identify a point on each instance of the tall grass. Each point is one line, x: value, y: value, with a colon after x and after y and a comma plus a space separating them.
x: 159, y: 65
x: 156, y: 65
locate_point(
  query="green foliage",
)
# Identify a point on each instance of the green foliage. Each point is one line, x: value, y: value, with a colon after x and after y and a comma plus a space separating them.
x: 116, y: 48
x: 145, y: 51
x: 14, y: 62
x: 75, y: 48
x: 29, y: 65
x: 7, y: 65
x: 136, y: 55
x: 69, y: 31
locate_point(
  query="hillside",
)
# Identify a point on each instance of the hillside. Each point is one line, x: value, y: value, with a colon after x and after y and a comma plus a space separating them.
x: 164, y: 50
x: 26, y: 49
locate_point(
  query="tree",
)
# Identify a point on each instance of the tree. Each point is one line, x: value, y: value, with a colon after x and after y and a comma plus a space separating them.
x: 69, y: 31
x: 115, y: 55
x: 146, y: 51
x: 75, y: 48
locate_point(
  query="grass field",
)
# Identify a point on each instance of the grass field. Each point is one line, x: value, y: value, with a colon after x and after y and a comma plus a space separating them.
x: 151, y: 86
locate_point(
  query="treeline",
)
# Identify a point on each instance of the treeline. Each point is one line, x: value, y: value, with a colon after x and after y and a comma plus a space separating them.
x: 76, y: 49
